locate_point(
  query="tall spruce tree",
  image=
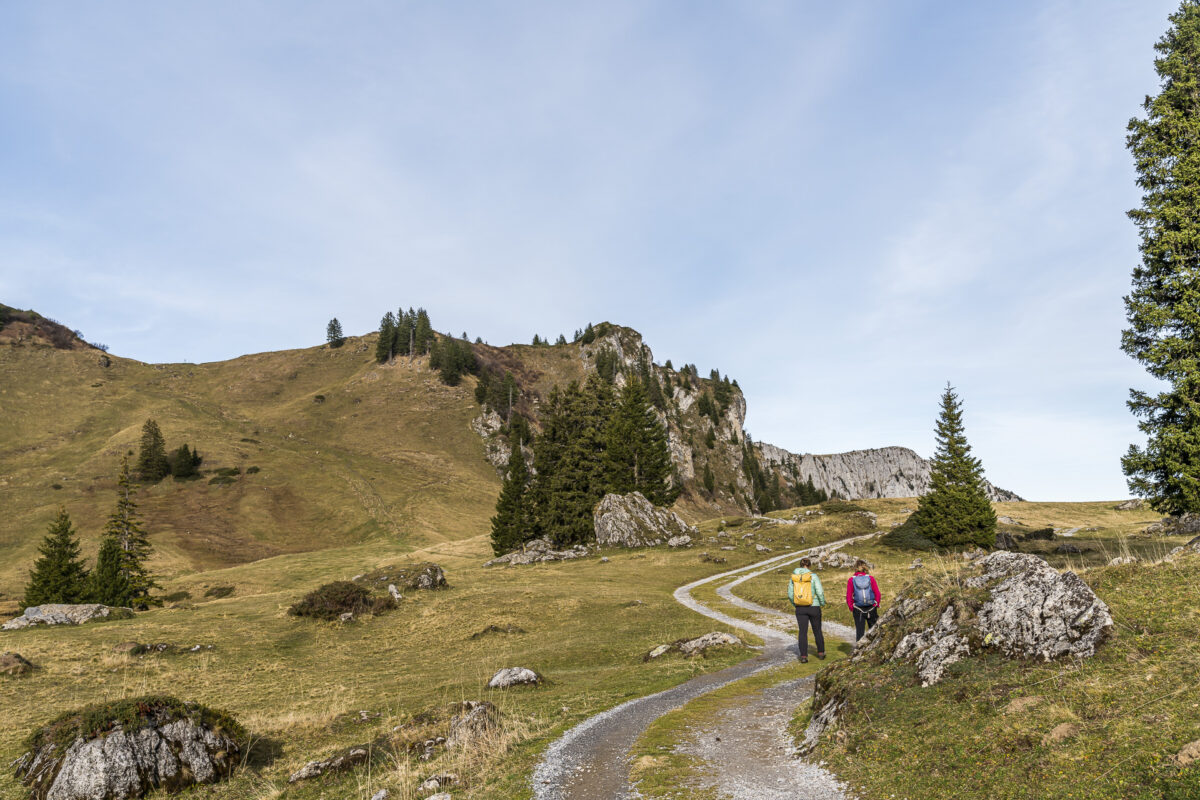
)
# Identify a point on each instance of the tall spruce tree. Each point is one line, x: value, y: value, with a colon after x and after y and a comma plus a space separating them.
x: 511, y: 525
x: 386, y: 344
x: 152, y: 463
x: 636, y: 457
x: 59, y: 576
x: 955, y: 512
x: 422, y: 336
x: 107, y: 584
x: 124, y: 527
x: 333, y: 333
x: 1163, y: 309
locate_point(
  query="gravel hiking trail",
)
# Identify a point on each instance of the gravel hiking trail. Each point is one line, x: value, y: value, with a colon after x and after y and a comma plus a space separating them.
x: 591, y: 761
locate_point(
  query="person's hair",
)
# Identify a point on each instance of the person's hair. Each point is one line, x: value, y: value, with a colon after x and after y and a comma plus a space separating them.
x: 806, y: 562
x: 862, y: 565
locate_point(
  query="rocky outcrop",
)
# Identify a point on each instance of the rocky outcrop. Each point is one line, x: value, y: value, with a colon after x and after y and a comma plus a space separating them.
x: 514, y: 676
x: 14, y: 664
x: 537, y: 551
x: 1183, y: 525
x: 881, y: 472
x: 171, y: 746
x: 1136, y: 504
x: 339, y: 762
x: 1031, y: 611
x: 425, y: 576
x: 474, y: 721
x: 693, y: 647
x: 630, y: 520
x: 64, y: 614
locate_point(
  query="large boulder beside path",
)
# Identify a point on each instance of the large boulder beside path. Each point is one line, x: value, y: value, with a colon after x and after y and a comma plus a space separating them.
x: 129, y: 748
x: 65, y: 614
x: 630, y: 520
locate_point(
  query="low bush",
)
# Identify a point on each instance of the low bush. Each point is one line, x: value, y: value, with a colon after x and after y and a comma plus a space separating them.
x: 340, y: 597
x: 840, y: 507
x: 907, y: 537
x: 252, y: 470
x: 219, y: 591
x: 175, y: 597
x: 221, y: 480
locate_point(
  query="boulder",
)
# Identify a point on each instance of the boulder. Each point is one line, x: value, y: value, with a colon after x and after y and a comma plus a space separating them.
x: 474, y: 720
x: 1136, y: 504
x: 14, y: 664
x: 514, y: 676
x: 151, y: 743
x: 346, y: 759
x: 438, y: 782
x: 697, y: 646
x: 65, y: 614
x: 1122, y: 560
x: 916, y: 564
x: 440, y: 796
x: 423, y: 576
x: 682, y: 540
x: 537, y: 551
x: 1031, y: 612
x: 762, y: 548
x: 661, y: 650
x: 1068, y: 549
x: 1005, y: 541
x: 630, y: 520
x: 837, y: 560
x: 1008, y: 521
x: 1185, y: 525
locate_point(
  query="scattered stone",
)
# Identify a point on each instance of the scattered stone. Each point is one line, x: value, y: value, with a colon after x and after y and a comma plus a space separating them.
x: 1122, y: 560
x: 65, y: 614
x: 1008, y: 521
x: 394, y: 592
x: 1186, y: 525
x: 631, y: 520
x: 1189, y: 755
x: 382, y: 794
x: 439, y: 782
x: 474, y: 720
x: 440, y: 796
x: 1068, y: 548
x: 15, y: 664
x: 661, y: 650
x: 971, y: 555
x: 1068, y: 532
x: 603, y: 559
x: 691, y: 647
x: 151, y: 743
x: 347, y: 616
x: 340, y: 762
x: 761, y: 548
x: 729, y: 547
x: 1060, y: 733
x: 917, y: 564
x: 837, y: 560
x: 514, y: 676
x: 537, y: 551
x: 138, y: 649
x: 683, y: 540
x: 713, y: 559
x: 490, y: 629
x: 869, y: 516
x: 747, y: 536
x: 1005, y: 541
x: 1136, y: 504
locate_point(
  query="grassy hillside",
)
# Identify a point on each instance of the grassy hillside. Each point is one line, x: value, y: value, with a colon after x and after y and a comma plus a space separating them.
x: 348, y: 451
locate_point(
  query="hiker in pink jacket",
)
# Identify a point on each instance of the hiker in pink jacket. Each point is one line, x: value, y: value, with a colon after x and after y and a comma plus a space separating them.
x: 863, y: 599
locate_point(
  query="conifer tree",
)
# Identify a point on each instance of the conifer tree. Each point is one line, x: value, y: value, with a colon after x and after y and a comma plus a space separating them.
x: 107, y: 584
x: 184, y: 462
x: 384, y: 346
x: 710, y: 481
x: 422, y: 336
x: 125, y: 528
x: 333, y: 333
x: 511, y: 525
x: 955, y: 512
x: 58, y: 576
x: 1164, y: 326
x: 636, y: 457
x: 152, y: 464
x: 562, y: 339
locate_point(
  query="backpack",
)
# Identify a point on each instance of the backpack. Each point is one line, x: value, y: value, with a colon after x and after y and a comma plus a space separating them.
x: 864, y: 595
x: 802, y: 593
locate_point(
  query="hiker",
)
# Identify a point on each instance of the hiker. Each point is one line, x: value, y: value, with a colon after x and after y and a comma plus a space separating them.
x: 863, y: 599
x: 807, y: 595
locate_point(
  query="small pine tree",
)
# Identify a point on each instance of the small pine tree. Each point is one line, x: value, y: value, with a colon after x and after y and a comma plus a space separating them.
x: 184, y: 462
x: 956, y: 511
x: 58, y: 576
x: 510, y: 526
x: 562, y: 339
x: 152, y: 464
x: 537, y: 340
x: 385, y: 345
x: 710, y: 438
x: 125, y: 528
x: 333, y: 333
x: 108, y: 584
x: 710, y: 481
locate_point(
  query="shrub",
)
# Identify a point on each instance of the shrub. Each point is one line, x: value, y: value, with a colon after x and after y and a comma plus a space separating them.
x: 334, y: 599
x: 252, y: 470
x: 221, y: 480
x: 907, y: 537
x: 840, y: 507
x: 219, y: 591
x: 175, y: 597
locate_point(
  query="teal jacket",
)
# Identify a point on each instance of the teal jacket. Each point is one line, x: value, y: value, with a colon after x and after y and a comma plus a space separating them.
x: 818, y: 589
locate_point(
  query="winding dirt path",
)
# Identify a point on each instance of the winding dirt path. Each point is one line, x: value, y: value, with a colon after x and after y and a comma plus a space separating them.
x: 591, y: 760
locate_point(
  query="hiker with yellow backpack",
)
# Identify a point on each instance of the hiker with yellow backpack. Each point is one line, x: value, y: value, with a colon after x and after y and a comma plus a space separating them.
x: 808, y: 596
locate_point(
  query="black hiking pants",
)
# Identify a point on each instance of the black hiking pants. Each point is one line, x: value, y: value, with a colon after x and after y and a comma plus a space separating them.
x: 805, y: 616
x: 864, y: 620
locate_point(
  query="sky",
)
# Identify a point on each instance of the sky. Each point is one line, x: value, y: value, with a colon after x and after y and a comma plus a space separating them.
x: 844, y: 206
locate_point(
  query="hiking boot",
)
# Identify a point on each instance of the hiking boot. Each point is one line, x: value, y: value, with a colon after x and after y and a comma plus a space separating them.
x: 803, y: 659
x: 821, y: 656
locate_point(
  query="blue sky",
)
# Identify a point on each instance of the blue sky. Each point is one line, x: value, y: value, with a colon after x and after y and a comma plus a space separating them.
x: 842, y: 205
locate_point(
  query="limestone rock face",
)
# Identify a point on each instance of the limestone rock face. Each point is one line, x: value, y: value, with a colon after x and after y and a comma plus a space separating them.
x: 65, y: 614
x: 934, y: 648
x: 881, y: 472
x: 630, y: 520
x: 514, y: 676
x: 165, y: 754
x: 536, y: 551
